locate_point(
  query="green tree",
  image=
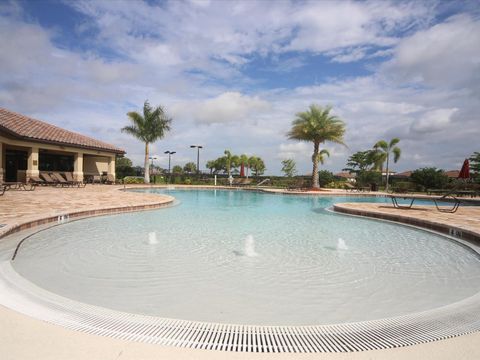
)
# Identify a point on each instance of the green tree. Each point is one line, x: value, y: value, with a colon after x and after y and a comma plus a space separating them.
x: 475, y: 164
x: 382, y: 151
x: 123, y: 167
x: 317, y: 125
x: 231, y: 161
x: 177, y: 169
x: 429, y: 178
x: 190, y: 167
x: 289, y: 167
x: 325, y: 177
x: 148, y: 127
x: 257, y: 165
x: 360, y: 161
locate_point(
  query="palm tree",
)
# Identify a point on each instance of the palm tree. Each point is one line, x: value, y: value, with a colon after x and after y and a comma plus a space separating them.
x: 382, y: 150
x: 149, y: 127
x: 317, y: 125
x: 231, y: 161
x: 321, y: 156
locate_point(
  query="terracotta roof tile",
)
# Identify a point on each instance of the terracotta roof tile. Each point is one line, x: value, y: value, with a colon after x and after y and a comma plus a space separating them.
x: 27, y: 128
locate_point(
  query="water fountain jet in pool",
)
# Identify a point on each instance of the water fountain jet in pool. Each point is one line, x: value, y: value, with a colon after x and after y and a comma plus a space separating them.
x: 152, y: 238
x: 250, y: 246
x: 341, y: 245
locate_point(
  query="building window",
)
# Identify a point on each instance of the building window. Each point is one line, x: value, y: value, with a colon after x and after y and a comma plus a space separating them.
x: 55, y: 162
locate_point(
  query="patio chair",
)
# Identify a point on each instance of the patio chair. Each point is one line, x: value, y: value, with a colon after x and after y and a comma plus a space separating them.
x: 61, y: 180
x: 110, y: 179
x: 36, y: 180
x: 298, y: 185
x: 96, y: 179
x: 349, y: 187
x: 48, y: 179
x: 69, y: 177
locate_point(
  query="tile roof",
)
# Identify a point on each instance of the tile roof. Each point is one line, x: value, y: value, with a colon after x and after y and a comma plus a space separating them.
x: 24, y: 127
x: 404, y: 174
x: 452, y: 173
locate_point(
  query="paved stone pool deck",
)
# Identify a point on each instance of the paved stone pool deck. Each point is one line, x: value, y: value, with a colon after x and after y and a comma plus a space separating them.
x: 22, y: 337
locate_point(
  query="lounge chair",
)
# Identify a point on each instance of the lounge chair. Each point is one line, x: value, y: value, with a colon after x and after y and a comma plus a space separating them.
x: 62, y: 181
x: 17, y: 185
x: 36, y: 180
x: 48, y: 179
x: 437, y: 200
x: 69, y: 177
x: 349, y: 187
x: 298, y: 185
x: 96, y: 179
x: 110, y: 179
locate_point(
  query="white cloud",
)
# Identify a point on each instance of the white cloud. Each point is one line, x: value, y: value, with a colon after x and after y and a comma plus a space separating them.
x: 433, y: 121
x: 294, y: 150
x: 228, y: 107
x: 447, y: 54
x: 174, y: 54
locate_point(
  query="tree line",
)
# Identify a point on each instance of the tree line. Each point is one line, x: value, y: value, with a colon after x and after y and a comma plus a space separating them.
x: 229, y: 163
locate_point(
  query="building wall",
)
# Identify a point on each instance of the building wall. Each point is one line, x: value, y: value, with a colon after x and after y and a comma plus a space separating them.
x: 95, y: 165
x: 94, y: 161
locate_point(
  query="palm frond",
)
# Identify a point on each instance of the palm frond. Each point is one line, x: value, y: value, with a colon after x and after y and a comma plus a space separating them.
x: 396, y: 153
x: 393, y: 142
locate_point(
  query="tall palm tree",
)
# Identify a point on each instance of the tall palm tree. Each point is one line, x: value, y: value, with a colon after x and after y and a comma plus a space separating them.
x: 231, y: 161
x: 383, y: 150
x: 149, y: 127
x: 317, y: 125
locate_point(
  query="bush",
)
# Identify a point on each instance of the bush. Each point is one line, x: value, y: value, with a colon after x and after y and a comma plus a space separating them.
x: 133, y: 180
x: 429, y: 178
x: 325, y: 177
x: 402, y: 186
x: 366, y: 178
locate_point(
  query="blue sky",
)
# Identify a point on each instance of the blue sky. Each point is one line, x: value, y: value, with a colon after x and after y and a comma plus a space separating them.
x: 232, y: 74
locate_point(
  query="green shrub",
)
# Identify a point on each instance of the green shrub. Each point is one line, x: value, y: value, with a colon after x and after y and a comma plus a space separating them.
x: 133, y: 180
x: 429, y: 178
x: 325, y: 177
x: 366, y: 178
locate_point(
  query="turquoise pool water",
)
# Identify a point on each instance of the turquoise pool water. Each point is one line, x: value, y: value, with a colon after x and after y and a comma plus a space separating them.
x: 250, y: 258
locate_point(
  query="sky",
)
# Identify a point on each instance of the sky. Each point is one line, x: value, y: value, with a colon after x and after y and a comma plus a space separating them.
x: 233, y: 74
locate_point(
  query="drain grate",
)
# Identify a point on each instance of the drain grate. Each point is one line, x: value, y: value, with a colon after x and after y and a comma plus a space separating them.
x: 441, y: 323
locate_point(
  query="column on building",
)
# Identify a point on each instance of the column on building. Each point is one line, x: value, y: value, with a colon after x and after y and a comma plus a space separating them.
x: 2, y: 162
x: 32, y: 163
x: 78, y: 166
x: 111, y: 166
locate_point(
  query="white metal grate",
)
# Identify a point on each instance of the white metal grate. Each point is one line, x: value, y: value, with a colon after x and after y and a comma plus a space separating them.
x: 453, y: 320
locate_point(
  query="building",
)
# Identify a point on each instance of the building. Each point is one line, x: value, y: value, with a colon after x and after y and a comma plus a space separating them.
x: 29, y: 146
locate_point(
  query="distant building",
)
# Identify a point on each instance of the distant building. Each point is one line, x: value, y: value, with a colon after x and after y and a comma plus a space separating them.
x: 452, y: 174
x: 29, y: 146
x: 402, y: 175
x: 346, y: 175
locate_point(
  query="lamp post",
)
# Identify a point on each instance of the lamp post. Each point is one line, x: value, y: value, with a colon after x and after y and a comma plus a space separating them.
x: 151, y: 164
x: 198, y: 155
x: 170, y: 153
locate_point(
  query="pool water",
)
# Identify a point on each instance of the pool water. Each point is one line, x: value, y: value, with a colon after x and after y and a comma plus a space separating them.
x: 246, y: 257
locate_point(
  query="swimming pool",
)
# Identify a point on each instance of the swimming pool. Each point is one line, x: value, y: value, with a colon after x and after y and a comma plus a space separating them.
x: 242, y: 257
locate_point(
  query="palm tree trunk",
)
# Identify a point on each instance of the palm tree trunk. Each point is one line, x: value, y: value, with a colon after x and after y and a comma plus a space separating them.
x: 147, y: 165
x: 315, y: 182
x: 388, y: 173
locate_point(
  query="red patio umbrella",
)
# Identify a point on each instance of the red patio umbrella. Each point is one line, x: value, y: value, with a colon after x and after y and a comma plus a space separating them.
x: 242, y: 170
x: 465, y: 172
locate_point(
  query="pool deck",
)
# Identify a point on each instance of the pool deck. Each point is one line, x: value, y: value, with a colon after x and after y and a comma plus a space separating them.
x: 22, y: 337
